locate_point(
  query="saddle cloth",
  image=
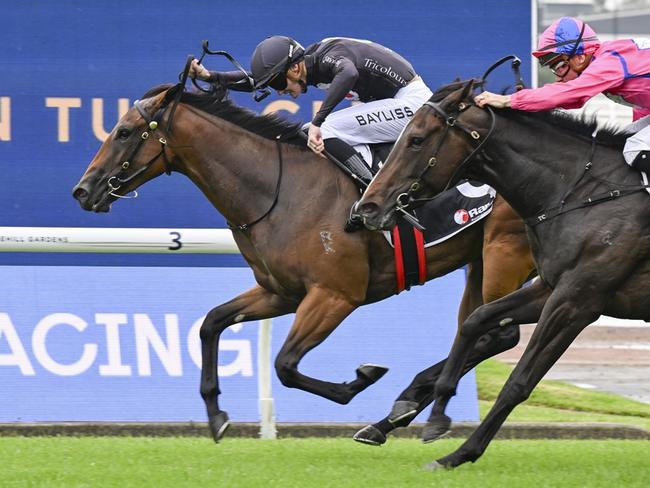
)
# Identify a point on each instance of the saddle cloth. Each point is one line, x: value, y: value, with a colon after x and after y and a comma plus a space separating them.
x: 453, y: 211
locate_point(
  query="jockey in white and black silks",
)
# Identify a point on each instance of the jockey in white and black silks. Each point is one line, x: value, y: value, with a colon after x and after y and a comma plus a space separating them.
x: 584, y: 67
x: 348, y: 69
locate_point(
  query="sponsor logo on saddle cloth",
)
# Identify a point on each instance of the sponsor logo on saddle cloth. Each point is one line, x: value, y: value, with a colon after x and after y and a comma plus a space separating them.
x: 453, y: 211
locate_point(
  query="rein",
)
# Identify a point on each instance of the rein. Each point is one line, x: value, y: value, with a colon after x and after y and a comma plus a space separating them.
x: 245, y: 227
x: 587, y: 202
x: 451, y: 120
x: 405, y: 199
x: 561, y: 208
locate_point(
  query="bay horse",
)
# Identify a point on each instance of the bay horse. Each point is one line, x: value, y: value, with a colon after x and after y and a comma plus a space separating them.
x: 587, y: 219
x: 287, y: 209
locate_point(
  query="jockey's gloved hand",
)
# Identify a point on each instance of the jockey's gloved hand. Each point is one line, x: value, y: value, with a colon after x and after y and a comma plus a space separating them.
x: 198, y: 71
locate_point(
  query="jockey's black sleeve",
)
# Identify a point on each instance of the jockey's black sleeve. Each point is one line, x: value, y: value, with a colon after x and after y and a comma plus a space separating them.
x: 354, y: 69
x: 233, y: 80
x: 345, y: 76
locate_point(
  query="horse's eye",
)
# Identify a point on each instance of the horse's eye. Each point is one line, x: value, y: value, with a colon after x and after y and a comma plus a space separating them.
x: 123, y: 134
x: 417, y: 141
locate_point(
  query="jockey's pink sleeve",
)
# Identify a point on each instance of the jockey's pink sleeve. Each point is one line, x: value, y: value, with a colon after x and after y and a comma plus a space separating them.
x: 601, y: 75
x: 639, y: 113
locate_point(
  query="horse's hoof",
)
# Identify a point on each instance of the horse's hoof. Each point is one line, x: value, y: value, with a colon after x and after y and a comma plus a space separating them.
x: 403, y: 412
x: 434, y: 466
x: 370, y: 435
x: 218, y: 425
x: 436, y: 428
x: 371, y: 372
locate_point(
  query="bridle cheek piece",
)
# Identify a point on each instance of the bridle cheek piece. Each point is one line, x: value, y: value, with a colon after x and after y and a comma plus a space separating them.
x: 451, y: 121
x: 116, y: 182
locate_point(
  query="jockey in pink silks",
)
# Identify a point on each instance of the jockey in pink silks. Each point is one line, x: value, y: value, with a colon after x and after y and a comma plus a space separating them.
x: 584, y: 67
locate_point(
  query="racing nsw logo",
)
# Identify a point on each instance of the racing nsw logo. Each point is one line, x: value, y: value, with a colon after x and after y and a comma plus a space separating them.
x: 383, y: 116
x: 462, y: 216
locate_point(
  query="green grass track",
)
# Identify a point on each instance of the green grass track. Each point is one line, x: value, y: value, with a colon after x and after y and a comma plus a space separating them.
x: 197, y: 462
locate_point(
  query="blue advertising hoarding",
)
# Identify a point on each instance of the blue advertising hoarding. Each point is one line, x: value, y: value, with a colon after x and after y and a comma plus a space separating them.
x: 122, y: 344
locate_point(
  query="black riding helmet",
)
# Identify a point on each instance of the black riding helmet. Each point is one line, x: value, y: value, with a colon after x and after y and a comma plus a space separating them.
x: 271, y: 60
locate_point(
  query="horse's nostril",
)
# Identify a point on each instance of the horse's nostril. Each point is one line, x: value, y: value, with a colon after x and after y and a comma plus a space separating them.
x: 368, y: 208
x: 79, y: 193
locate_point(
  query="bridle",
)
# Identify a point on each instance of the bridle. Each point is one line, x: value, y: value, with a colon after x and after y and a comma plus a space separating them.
x: 115, y: 182
x: 121, y: 178
x: 451, y: 121
x: 153, y: 123
x: 405, y: 199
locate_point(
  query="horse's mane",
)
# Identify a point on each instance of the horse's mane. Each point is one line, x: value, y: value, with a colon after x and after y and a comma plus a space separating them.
x: 269, y: 126
x: 583, y: 125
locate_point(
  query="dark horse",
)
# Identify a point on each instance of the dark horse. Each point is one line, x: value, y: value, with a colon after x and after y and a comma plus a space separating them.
x: 588, y: 222
x: 287, y: 210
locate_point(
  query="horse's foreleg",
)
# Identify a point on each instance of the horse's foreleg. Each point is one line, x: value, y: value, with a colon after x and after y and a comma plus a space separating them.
x: 320, y: 312
x: 566, y: 313
x: 419, y: 394
x: 255, y: 304
x: 521, y: 307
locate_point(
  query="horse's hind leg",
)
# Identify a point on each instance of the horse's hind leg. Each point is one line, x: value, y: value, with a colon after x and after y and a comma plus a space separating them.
x: 255, y: 304
x: 320, y: 312
x: 507, y: 263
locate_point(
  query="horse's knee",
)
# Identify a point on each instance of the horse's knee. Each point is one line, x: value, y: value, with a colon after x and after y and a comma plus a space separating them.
x: 515, y: 393
x: 207, y: 390
x: 286, y: 371
x: 212, y: 325
x: 444, y: 388
x: 471, y: 327
x: 499, y: 339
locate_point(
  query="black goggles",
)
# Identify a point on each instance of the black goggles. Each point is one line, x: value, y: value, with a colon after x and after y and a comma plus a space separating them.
x: 560, y: 67
x: 550, y: 59
x: 278, y: 82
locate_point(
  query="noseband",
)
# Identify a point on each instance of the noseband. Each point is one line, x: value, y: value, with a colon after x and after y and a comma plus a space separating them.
x: 152, y: 125
x: 451, y: 121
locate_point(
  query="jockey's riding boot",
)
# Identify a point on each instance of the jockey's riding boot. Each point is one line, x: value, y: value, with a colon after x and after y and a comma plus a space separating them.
x: 642, y: 161
x: 358, y: 166
x: 351, y: 159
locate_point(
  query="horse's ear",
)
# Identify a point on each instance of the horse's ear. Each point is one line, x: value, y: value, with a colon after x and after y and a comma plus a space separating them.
x: 467, y: 89
x: 454, y: 99
x: 171, y: 93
